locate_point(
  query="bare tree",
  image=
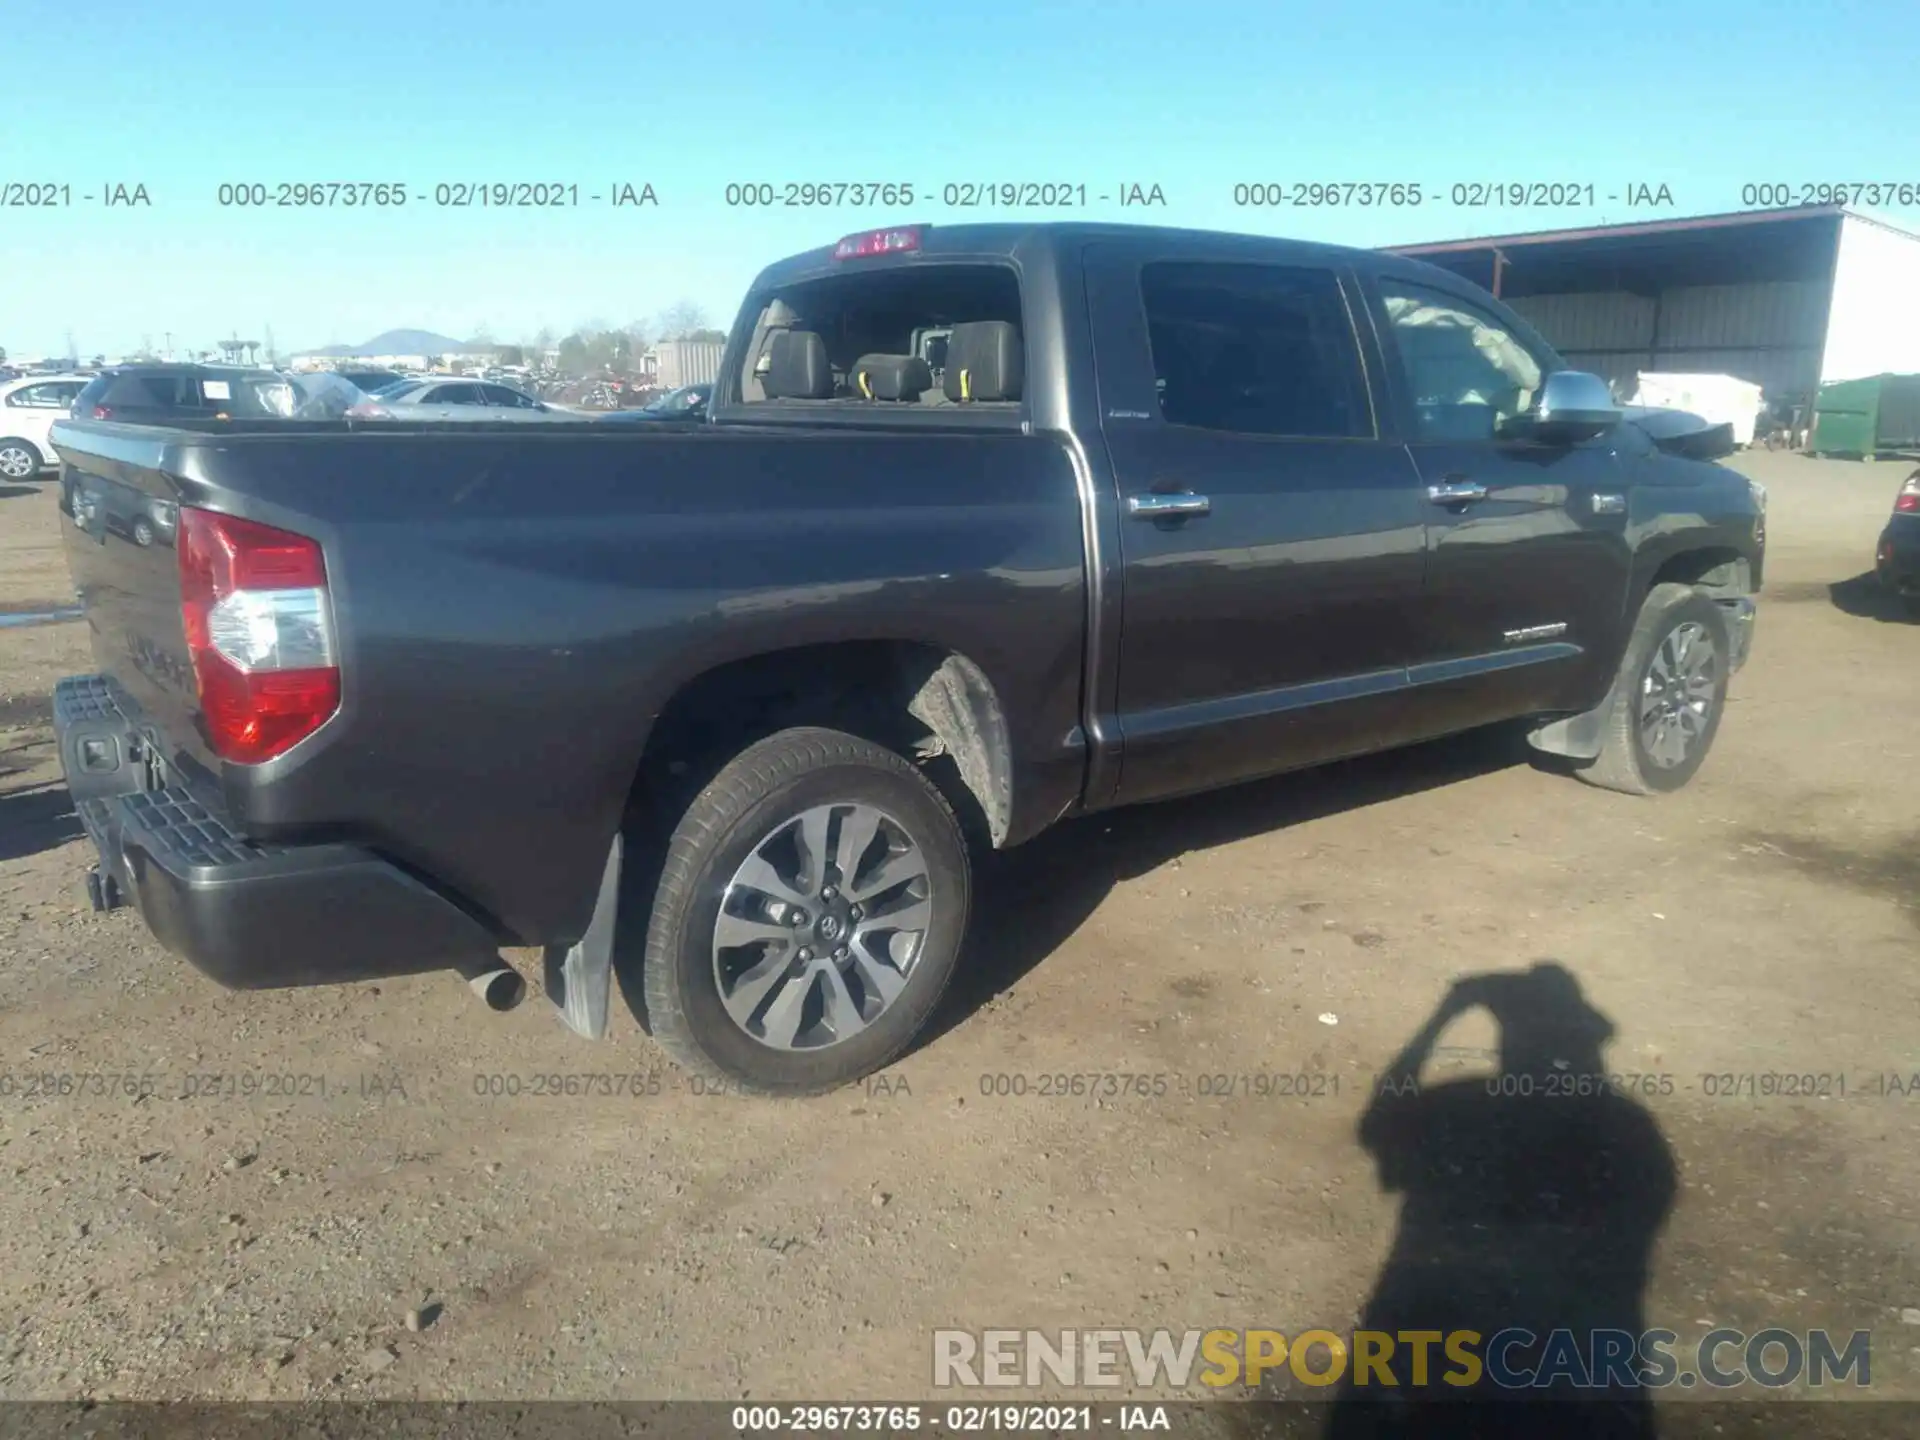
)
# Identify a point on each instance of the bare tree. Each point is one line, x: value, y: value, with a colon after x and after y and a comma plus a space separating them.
x: 680, y: 320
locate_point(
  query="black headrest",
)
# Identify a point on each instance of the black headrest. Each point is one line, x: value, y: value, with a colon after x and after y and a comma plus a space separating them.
x: 797, y: 367
x: 889, y: 377
x: 984, y: 361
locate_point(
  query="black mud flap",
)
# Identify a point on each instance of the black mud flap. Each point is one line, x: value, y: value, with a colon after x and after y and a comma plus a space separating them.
x: 580, y: 977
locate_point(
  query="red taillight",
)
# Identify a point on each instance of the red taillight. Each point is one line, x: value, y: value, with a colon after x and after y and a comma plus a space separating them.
x: 259, y: 628
x: 103, y: 412
x: 1909, y: 496
x: 878, y: 242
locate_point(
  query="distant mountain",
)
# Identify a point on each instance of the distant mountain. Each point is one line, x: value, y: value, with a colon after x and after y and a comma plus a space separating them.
x: 401, y: 342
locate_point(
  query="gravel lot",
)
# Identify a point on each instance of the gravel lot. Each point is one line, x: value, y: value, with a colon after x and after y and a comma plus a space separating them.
x: 219, y: 1241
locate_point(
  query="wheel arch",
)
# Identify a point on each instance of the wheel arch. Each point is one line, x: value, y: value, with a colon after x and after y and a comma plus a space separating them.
x: 1722, y: 571
x: 930, y: 703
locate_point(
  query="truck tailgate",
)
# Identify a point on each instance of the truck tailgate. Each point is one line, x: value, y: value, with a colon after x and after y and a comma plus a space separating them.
x: 120, y: 515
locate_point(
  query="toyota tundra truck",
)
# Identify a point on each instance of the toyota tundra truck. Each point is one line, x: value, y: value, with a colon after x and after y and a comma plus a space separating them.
x: 986, y: 526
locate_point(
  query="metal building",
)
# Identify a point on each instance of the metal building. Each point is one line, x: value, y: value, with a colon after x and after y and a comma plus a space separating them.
x: 673, y: 363
x: 1786, y: 299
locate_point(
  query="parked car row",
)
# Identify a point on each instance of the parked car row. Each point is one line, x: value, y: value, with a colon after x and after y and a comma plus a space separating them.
x: 168, y: 394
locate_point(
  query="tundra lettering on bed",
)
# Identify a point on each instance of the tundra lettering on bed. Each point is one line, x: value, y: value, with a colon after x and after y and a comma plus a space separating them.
x: 986, y: 526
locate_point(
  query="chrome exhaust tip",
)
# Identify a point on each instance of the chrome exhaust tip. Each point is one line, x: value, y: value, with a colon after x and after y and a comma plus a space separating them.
x: 499, y: 989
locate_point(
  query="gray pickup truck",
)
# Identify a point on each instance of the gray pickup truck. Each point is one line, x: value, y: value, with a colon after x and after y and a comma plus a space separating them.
x: 986, y: 526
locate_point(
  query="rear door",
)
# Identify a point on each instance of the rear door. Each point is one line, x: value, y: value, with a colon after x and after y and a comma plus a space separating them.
x: 511, y: 403
x: 1271, y: 538
x: 1527, y: 556
x: 462, y: 394
x: 31, y: 410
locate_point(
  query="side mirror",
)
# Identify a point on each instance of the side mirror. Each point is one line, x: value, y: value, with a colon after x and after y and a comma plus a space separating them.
x: 1573, y: 405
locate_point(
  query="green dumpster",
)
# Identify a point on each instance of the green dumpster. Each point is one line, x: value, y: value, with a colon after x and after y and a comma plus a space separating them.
x: 1863, y: 417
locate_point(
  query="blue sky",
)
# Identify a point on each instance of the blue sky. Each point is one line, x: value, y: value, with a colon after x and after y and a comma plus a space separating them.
x: 1703, y: 96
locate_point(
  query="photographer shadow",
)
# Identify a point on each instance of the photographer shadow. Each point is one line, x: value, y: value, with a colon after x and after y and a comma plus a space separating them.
x: 1531, y: 1202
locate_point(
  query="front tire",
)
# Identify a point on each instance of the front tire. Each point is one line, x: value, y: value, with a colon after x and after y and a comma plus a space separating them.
x: 1667, y: 697
x: 809, y: 916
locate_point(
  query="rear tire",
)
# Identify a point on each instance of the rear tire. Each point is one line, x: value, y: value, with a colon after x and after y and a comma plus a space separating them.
x: 19, y: 459
x: 1667, y: 696
x: 770, y: 967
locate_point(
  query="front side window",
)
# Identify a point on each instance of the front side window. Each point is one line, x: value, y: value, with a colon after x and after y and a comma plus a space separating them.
x: 1468, y: 374
x: 1256, y: 349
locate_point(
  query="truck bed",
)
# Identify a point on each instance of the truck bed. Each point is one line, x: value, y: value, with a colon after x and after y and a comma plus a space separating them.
x: 514, y: 606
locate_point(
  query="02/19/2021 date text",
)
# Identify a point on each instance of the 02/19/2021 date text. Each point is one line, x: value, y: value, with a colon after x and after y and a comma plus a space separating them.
x: 56, y: 194
x: 954, y: 195
x: 1469, y: 195
x: 441, y: 195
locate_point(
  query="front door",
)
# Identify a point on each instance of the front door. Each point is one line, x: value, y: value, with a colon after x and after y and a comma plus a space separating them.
x: 1271, y: 538
x: 1527, y: 556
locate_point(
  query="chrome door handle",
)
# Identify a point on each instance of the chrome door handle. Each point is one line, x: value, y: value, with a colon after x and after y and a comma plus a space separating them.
x: 1456, y: 492
x: 1167, y: 507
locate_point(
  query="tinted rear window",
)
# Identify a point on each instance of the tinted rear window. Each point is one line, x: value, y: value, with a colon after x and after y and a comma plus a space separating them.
x: 254, y: 396
x: 150, y: 392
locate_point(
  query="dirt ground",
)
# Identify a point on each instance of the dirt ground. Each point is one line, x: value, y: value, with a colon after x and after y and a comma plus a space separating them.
x: 213, y: 1240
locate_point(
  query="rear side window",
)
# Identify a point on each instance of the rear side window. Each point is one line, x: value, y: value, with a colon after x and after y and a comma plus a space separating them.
x: 51, y: 395
x: 1255, y: 349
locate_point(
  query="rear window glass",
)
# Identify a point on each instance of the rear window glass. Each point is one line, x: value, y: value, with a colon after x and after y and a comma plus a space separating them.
x: 265, y: 395
x: 920, y: 335
x: 163, y: 392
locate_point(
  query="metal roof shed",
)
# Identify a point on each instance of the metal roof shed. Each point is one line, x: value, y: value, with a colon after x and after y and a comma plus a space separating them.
x: 1787, y: 299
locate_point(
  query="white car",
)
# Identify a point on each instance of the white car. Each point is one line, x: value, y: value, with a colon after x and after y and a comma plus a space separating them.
x: 28, y: 408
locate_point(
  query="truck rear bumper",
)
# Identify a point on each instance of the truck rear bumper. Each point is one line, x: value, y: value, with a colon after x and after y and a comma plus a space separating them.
x: 1896, y: 559
x: 250, y: 915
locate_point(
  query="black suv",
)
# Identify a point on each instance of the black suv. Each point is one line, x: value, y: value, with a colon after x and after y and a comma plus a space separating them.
x: 166, y: 394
